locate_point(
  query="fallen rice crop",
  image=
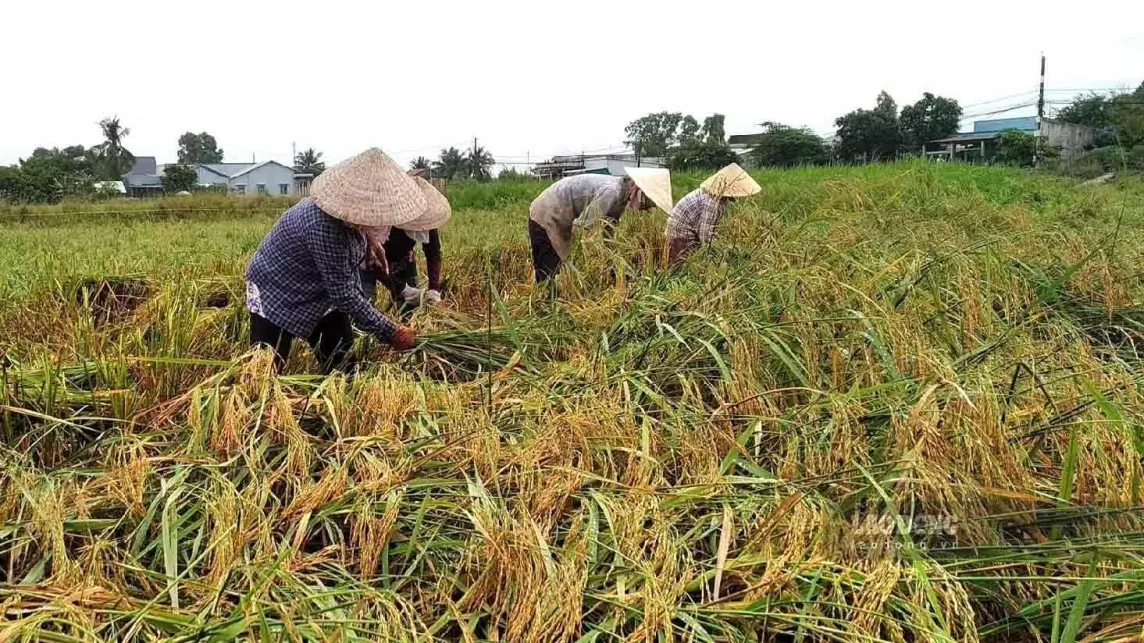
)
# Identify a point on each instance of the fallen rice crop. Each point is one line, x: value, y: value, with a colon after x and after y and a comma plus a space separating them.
x: 892, y: 403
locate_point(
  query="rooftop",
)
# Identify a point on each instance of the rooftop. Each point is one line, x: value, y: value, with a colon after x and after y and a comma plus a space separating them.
x: 969, y: 137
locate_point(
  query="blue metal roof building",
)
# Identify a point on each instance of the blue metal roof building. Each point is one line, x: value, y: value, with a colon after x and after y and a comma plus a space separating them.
x: 1022, y: 124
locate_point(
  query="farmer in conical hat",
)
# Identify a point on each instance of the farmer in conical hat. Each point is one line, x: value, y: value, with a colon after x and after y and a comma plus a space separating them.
x: 581, y: 199
x: 394, y: 262
x: 303, y: 280
x: 692, y: 222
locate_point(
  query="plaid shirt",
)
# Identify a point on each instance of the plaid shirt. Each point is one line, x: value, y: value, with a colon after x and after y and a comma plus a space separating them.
x: 694, y: 217
x: 307, y: 265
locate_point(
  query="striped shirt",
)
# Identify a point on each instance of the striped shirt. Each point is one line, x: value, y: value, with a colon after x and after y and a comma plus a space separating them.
x: 694, y: 217
x: 306, y: 266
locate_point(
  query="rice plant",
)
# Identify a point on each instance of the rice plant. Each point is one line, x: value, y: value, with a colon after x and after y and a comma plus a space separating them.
x: 891, y: 403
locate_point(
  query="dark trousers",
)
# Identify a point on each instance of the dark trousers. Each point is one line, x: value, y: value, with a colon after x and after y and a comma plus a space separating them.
x: 331, y: 340
x: 402, y: 273
x: 545, y: 261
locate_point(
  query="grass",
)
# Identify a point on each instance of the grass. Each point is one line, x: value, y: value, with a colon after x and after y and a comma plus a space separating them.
x: 893, y: 403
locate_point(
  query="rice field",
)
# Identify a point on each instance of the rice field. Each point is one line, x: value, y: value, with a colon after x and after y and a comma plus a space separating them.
x: 893, y: 403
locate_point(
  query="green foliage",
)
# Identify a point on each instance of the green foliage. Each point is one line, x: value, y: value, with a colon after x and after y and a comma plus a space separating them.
x: 681, y: 140
x: 198, y: 148
x: 178, y: 177
x: 701, y: 156
x: 1091, y: 110
x: 512, y: 174
x: 785, y: 146
x: 1122, y: 113
x: 1126, y: 114
x: 421, y: 163
x: 870, y: 135
x: 713, y: 131
x: 451, y: 165
x: 688, y: 131
x: 479, y: 164
x: 655, y: 134
x: 113, y: 159
x: 930, y: 118
x: 309, y: 162
x: 49, y: 175
x: 1017, y: 148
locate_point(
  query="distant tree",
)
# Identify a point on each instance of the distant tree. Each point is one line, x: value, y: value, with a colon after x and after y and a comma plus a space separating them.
x: 655, y: 134
x: 114, y: 160
x: 870, y: 134
x: 178, y: 178
x: 479, y: 163
x: 1017, y: 148
x: 1126, y: 114
x: 1120, y: 115
x: 1091, y: 110
x: 784, y: 146
x: 930, y: 118
x: 309, y: 162
x: 512, y: 174
x: 198, y: 148
x: 701, y: 156
x: 421, y: 163
x: 688, y: 131
x: 450, y: 164
x: 713, y: 131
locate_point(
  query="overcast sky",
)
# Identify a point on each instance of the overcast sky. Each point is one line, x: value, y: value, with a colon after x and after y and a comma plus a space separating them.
x: 528, y: 78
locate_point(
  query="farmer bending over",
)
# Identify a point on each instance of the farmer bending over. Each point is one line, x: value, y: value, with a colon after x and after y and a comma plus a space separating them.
x: 392, y: 258
x: 303, y: 280
x: 692, y: 222
x: 580, y: 199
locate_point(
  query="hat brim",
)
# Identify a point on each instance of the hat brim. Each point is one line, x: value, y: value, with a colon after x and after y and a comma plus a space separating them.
x: 437, y: 209
x: 655, y: 182
x: 731, y: 181
x: 368, y: 189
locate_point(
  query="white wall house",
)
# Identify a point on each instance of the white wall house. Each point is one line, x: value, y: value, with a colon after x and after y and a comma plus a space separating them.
x: 268, y: 177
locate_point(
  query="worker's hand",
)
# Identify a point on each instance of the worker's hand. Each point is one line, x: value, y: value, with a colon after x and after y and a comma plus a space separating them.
x: 404, y: 338
x: 376, y: 259
x: 433, y: 297
x: 411, y: 295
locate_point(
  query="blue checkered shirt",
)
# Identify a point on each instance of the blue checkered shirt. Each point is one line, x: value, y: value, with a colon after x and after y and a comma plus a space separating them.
x: 306, y: 266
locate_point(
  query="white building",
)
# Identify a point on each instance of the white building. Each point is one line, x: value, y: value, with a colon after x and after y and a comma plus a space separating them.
x: 268, y: 177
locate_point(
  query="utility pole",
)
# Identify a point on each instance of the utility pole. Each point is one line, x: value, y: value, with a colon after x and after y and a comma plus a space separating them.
x: 293, y: 153
x: 473, y: 160
x: 1040, y: 116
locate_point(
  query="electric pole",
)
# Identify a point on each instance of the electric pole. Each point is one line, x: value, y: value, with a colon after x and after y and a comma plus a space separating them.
x: 473, y: 160
x: 1040, y: 116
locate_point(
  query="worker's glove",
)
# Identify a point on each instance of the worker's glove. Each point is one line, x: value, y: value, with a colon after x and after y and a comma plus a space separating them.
x: 433, y: 297
x: 404, y: 338
x: 411, y: 295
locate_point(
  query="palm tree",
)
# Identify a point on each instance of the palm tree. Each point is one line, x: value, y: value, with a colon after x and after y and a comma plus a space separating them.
x: 421, y: 163
x: 451, y: 164
x: 309, y: 162
x: 114, y: 159
x: 480, y: 163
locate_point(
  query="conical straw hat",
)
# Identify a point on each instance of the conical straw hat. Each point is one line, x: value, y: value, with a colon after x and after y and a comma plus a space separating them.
x: 655, y: 183
x: 731, y: 181
x: 437, y: 209
x: 369, y: 190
